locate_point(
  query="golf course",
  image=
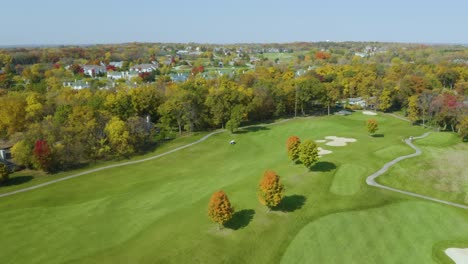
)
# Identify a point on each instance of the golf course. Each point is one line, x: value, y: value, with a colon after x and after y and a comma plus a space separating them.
x: 155, y: 211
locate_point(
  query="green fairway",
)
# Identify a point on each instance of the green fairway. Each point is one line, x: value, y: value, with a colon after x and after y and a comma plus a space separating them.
x: 391, y: 234
x: 156, y: 211
x: 439, y: 172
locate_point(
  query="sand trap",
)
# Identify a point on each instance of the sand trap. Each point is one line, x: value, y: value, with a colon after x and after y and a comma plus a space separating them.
x: 320, y: 141
x: 458, y: 255
x: 322, y: 151
x: 339, y: 141
x: 369, y: 113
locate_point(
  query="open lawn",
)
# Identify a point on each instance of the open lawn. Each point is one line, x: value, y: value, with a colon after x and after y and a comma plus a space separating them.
x: 156, y: 211
x: 440, y: 171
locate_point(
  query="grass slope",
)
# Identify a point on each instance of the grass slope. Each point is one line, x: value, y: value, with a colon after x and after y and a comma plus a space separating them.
x: 397, y: 233
x: 156, y: 212
x: 439, y: 172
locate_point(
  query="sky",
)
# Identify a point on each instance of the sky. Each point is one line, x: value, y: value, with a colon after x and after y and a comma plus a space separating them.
x: 43, y: 22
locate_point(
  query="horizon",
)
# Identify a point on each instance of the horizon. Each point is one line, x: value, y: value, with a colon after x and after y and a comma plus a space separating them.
x: 54, y: 22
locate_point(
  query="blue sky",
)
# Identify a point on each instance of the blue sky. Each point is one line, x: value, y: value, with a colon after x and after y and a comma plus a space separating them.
x: 208, y: 21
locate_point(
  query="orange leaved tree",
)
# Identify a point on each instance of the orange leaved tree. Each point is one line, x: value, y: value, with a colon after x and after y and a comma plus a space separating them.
x: 292, y: 145
x: 219, y: 208
x: 271, y: 190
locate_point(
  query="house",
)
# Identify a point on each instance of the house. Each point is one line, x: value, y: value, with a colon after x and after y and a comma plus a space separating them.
x: 127, y: 75
x: 117, y: 64
x: 77, y: 84
x: 179, y: 77
x: 116, y: 75
x: 5, y: 154
x: 144, y: 67
x: 94, y: 70
x: 357, y: 101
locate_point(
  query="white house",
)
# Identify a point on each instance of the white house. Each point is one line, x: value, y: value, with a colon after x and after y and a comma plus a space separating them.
x: 117, y: 64
x: 77, y: 84
x: 144, y: 67
x: 94, y: 70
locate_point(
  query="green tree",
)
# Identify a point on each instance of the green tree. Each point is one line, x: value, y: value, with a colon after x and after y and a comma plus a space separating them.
x: 308, y: 153
x: 271, y: 190
x: 372, y: 126
x: 463, y: 128
x: 4, y: 173
x: 237, y: 114
x: 219, y: 208
x: 413, y: 108
x: 22, y: 153
x: 292, y: 145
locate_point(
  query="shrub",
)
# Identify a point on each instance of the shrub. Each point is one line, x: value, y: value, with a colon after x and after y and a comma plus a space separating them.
x: 308, y: 153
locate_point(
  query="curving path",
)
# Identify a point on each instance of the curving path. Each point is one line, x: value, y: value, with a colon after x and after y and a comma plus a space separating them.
x: 126, y: 163
x: 371, y: 179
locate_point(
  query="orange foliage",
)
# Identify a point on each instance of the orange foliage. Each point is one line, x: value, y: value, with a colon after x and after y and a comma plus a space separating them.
x: 219, y: 208
x: 321, y: 55
x: 292, y: 145
x: 271, y: 191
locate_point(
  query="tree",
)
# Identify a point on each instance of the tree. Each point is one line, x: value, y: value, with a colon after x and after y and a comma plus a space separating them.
x: 4, y: 173
x: 219, y: 208
x: 385, y: 100
x: 292, y: 144
x: 413, y: 109
x: 372, y: 126
x: 42, y: 155
x: 22, y: 152
x: 237, y: 114
x: 119, y: 137
x: 463, y: 128
x: 271, y: 190
x: 308, y: 153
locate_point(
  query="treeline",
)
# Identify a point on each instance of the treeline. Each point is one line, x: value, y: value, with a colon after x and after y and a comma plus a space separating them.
x: 61, y: 128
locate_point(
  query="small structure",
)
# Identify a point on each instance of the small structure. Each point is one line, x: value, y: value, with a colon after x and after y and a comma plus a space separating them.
x: 5, y: 155
x: 232, y: 142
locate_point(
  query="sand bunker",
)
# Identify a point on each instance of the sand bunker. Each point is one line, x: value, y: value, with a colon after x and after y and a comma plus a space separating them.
x: 322, y: 151
x: 369, y: 113
x: 458, y: 255
x: 320, y: 141
x: 339, y: 141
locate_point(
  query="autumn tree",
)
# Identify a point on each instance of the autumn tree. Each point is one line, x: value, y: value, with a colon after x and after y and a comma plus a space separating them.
x: 42, y: 155
x: 385, y: 100
x: 308, y: 153
x: 4, y: 173
x: 219, y: 208
x: 292, y: 145
x: 372, y: 126
x: 119, y: 137
x: 271, y: 190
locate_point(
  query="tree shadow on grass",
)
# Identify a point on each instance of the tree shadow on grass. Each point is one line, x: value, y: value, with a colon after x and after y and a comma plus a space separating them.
x: 323, y: 166
x: 291, y: 203
x: 251, y: 129
x: 17, y: 180
x: 378, y: 135
x: 240, y: 219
